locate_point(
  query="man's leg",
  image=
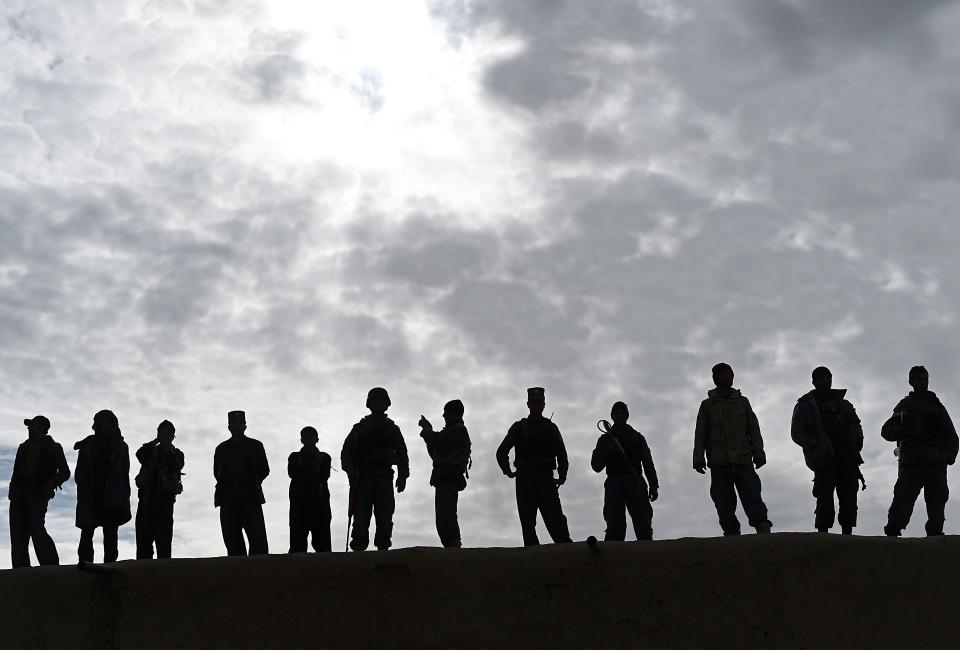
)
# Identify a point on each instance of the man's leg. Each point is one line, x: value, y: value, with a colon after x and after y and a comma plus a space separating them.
x: 110, y: 551
x: 19, y: 533
x: 748, y: 487
x: 163, y: 527
x: 42, y: 542
x: 527, y: 508
x: 638, y: 504
x: 144, y: 530
x: 725, y: 498
x: 322, y: 541
x: 445, y: 506
x: 362, y: 511
x: 905, y: 493
x: 255, y: 528
x: 85, y: 549
x: 384, y: 505
x: 298, y: 529
x: 614, y: 505
x: 935, y: 493
x: 231, y: 528
x: 824, y: 483
x: 552, y: 511
x: 848, y: 489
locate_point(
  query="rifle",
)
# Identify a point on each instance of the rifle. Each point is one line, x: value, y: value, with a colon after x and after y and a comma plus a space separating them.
x: 351, y: 478
x: 605, y: 427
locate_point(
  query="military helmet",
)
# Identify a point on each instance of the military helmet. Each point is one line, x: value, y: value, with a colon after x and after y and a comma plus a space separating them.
x: 378, y: 393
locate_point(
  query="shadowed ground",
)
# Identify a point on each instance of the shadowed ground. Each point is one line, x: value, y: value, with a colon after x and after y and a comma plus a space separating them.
x: 776, y: 591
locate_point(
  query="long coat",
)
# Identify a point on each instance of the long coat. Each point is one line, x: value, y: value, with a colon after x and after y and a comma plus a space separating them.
x: 806, y: 429
x: 116, y: 496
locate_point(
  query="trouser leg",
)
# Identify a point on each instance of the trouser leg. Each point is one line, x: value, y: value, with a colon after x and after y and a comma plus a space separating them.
x: 614, y: 507
x: 848, y: 489
x: 725, y: 498
x: 298, y: 528
x: 85, y: 549
x: 231, y: 527
x: 905, y: 493
x: 322, y: 541
x: 384, y: 505
x: 824, y: 484
x: 163, y: 527
x: 445, y: 506
x: 19, y: 533
x: 362, y: 511
x: 748, y: 487
x: 638, y: 505
x: 255, y: 528
x: 552, y: 511
x: 527, y: 509
x: 144, y: 530
x: 43, y: 544
x: 935, y: 494
x: 110, y: 550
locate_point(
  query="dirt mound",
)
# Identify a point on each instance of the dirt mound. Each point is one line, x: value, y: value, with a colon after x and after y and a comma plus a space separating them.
x: 776, y: 591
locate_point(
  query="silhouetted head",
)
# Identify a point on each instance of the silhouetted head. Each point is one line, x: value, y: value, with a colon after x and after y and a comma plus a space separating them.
x: 237, y: 422
x: 723, y: 375
x: 37, y: 426
x: 919, y: 379
x: 619, y: 413
x: 166, y: 432
x: 105, y: 423
x: 309, y: 437
x: 378, y: 400
x: 822, y: 378
x: 536, y: 400
x: 453, y: 411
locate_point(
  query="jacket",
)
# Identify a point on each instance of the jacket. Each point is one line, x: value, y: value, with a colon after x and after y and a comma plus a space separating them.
x: 52, y: 470
x: 155, y: 461
x: 807, y: 430
x: 373, y: 446
x: 309, y: 473
x: 255, y: 464
x: 727, y: 432
x: 449, y: 450
x: 922, y: 426
x: 113, y: 506
x: 538, y: 446
x: 607, y: 456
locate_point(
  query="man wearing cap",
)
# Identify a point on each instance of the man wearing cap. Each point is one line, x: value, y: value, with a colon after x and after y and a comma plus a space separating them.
x: 158, y: 484
x: 449, y: 450
x: 727, y: 440
x: 538, y: 450
x: 309, y: 471
x: 827, y: 428
x: 240, y: 467
x: 371, y: 449
x: 38, y: 470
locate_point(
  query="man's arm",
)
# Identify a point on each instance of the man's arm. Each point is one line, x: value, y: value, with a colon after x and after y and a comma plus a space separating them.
x: 145, y: 451
x: 700, y: 435
x: 503, y: 451
x: 598, y: 460
x: 856, y: 426
x: 292, y: 465
x: 646, y: 459
x: 950, y: 437
x: 263, y: 468
x: 798, y: 428
x: 892, y: 429
x: 756, y: 439
x: 563, y: 463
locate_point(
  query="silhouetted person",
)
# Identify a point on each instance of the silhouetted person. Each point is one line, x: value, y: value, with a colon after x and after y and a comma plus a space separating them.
x: 240, y: 467
x: 538, y: 450
x: 826, y: 426
x: 624, y: 453
x: 309, y: 471
x: 728, y: 441
x: 38, y: 470
x: 158, y: 483
x: 449, y: 449
x: 371, y: 449
x: 103, y: 486
x: 927, y: 442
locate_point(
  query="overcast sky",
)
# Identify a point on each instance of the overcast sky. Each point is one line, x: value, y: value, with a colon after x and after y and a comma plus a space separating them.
x: 273, y: 206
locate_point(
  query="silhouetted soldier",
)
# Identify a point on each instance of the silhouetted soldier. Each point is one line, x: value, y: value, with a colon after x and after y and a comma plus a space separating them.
x: 449, y: 449
x: 538, y: 450
x: 370, y: 450
x: 624, y: 453
x: 240, y: 467
x: 728, y: 441
x: 103, y: 486
x: 826, y: 426
x: 38, y: 470
x: 158, y: 485
x: 927, y: 442
x: 309, y: 471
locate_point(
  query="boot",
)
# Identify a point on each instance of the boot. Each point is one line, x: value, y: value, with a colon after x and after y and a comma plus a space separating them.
x: 848, y: 530
x: 763, y: 528
x: 823, y: 530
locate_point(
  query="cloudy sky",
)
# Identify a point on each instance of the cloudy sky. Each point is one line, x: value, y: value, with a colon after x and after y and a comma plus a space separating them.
x: 273, y: 206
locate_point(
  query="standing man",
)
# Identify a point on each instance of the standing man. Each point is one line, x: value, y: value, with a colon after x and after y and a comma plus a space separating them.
x: 371, y: 449
x: 538, y: 450
x: 728, y: 441
x: 158, y: 485
x: 240, y: 467
x: 927, y: 443
x: 38, y: 470
x: 309, y: 471
x: 449, y: 449
x: 624, y: 453
x: 103, y: 486
x: 826, y: 426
